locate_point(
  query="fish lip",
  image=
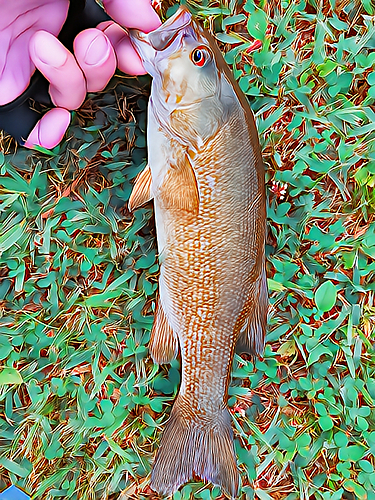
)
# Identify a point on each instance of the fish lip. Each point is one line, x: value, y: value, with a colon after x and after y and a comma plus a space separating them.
x: 136, y: 35
x: 182, y: 15
x: 139, y: 41
x: 163, y: 36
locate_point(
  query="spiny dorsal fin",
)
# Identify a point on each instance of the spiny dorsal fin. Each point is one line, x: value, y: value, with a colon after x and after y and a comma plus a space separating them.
x: 179, y: 190
x: 141, y: 193
x: 163, y: 345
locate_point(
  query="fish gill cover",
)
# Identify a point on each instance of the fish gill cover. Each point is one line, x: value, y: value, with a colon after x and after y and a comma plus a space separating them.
x: 81, y: 403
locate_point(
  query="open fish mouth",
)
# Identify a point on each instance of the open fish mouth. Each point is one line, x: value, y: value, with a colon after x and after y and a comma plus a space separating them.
x: 163, y: 36
x: 147, y: 44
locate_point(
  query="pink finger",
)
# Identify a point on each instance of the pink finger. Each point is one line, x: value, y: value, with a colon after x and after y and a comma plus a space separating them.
x: 128, y: 60
x: 96, y: 57
x: 137, y: 14
x: 50, y: 129
x: 67, y: 82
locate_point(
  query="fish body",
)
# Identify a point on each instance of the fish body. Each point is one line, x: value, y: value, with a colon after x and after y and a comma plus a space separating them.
x: 205, y: 175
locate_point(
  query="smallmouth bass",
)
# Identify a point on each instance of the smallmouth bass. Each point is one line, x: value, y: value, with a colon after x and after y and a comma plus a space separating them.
x: 205, y: 175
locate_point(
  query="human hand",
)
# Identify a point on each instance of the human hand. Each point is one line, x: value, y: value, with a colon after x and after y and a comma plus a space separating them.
x: 29, y: 30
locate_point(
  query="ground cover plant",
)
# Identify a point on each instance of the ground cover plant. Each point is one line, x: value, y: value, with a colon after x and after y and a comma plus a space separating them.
x: 81, y: 403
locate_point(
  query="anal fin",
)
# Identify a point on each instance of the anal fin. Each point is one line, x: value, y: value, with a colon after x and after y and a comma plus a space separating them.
x: 163, y: 344
x: 141, y: 193
x: 253, y: 319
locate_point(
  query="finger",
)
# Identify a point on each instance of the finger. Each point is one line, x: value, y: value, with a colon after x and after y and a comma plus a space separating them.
x: 50, y: 129
x: 58, y: 65
x: 128, y: 60
x: 96, y: 57
x: 133, y: 14
x: 18, y: 21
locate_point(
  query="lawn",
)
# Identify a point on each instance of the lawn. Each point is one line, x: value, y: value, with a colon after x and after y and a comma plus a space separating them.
x: 82, y: 405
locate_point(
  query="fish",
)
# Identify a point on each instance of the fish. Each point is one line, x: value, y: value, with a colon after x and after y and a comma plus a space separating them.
x: 205, y: 176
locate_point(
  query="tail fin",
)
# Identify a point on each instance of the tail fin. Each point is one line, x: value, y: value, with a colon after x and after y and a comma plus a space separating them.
x: 191, y: 445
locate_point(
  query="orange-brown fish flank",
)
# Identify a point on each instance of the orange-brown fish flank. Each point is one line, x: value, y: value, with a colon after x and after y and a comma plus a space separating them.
x: 207, y: 182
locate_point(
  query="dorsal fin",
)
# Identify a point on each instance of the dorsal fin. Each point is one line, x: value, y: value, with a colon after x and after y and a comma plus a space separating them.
x: 141, y: 193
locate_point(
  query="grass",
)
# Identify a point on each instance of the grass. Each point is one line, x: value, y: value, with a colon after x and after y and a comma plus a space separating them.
x: 81, y: 403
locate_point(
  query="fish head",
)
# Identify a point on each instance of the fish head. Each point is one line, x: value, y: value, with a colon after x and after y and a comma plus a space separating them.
x: 179, y: 58
x: 185, y: 64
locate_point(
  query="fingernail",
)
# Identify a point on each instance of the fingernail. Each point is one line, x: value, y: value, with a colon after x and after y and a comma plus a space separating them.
x: 48, y: 50
x: 97, y: 51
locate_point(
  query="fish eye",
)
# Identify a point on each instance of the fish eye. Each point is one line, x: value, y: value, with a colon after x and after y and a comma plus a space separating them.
x: 199, y: 56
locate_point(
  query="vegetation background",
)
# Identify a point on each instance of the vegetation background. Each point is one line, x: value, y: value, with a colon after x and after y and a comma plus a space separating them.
x: 81, y: 403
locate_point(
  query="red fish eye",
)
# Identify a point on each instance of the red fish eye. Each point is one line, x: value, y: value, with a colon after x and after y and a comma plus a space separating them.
x: 198, y: 57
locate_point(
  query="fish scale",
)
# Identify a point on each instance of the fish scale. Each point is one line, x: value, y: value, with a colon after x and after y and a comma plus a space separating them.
x: 206, y: 178
x: 195, y: 338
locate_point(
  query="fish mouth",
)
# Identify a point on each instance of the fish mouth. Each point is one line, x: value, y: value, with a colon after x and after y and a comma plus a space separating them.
x: 164, y: 35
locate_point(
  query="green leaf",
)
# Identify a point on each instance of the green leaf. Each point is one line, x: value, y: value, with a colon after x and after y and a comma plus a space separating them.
x: 325, y: 296
x: 327, y: 67
x: 366, y: 466
x: 352, y: 453
x: 356, y: 488
x: 10, y: 237
x: 275, y: 286
x: 326, y: 423
x: 257, y: 24
x: 317, y: 352
x: 228, y: 38
x: 262, y: 495
x: 16, y: 468
x: 371, y: 78
x: 10, y: 376
x: 230, y: 20
x: 341, y: 439
x: 362, y: 424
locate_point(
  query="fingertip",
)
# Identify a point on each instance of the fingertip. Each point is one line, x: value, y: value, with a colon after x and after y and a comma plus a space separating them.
x: 96, y: 57
x: 128, y: 60
x: 50, y: 129
x: 46, y: 50
x: 92, y: 47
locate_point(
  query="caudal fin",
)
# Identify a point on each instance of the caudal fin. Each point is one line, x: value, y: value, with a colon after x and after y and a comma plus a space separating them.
x: 195, y: 446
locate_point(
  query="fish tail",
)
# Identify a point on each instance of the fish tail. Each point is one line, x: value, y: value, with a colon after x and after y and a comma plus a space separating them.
x: 195, y: 445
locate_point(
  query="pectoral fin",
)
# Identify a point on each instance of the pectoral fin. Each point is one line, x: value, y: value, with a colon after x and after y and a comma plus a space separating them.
x: 163, y: 344
x: 179, y: 190
x: 253, y: 319
x: 141, y: 193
